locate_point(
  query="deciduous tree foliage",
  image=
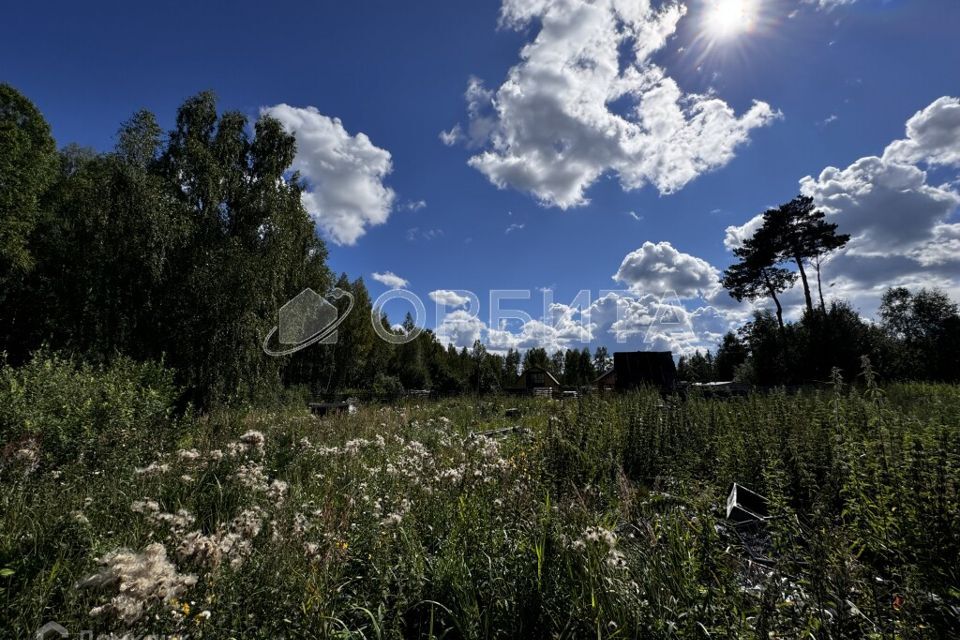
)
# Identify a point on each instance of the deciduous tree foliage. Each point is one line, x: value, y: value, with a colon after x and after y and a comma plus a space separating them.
x: 917, y: 339
x: 927, y: 324
x: 28, y: 161
x: 181, y: 251
x: 536, y: 357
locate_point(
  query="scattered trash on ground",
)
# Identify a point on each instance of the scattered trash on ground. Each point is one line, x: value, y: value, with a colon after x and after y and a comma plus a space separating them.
x: 496, y: 433
x: 322, y: 409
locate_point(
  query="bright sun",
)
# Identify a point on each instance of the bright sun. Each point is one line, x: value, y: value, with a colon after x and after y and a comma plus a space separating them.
x: 727, y: 18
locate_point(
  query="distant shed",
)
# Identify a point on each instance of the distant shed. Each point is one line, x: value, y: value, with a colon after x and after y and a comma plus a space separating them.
x: 538, y: 381
x: 726, y: 388
x: 634, y: 369
x: 606, y: 381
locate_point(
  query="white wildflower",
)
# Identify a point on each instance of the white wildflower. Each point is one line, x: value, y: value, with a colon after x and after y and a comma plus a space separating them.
x: 178, y: 522
x: 253, y: 438
x: 391, y: 520
x: 354, y: 446
x: 153, y: 469
x: 141, y: 580
x: 451, y: 475
x: 609, y: 537
x: 247, y: 523
x: 28, y: 456
x: 252, y: 476
x: 188, y: 455
x: 616, y: 559
x: 416, y: 448
x: 145, y: 506
x: 201, y: 549
x: 277, y: 491
x: 300, y: 524
x: 232, y: 542
x: 250, y: 442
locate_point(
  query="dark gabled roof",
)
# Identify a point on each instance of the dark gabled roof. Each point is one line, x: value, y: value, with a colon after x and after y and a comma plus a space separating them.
x: 636, y: 368
x: 550, y: 375
x: 606, y: 374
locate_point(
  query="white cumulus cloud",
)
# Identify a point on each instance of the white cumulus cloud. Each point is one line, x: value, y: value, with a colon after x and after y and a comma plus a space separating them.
x: 390, y: 279
x: 736, y: 235
x: 886, y: 206
x: 888, y: 203
x: 345, y: 192
x: 660, y: 268
x: 565, y: 333
x: 554, y: 126
x: 449, y: 298
x: 933, y: 136
x: 460, y: 328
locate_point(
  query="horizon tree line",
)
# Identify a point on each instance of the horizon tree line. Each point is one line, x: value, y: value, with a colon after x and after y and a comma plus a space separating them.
x: 180, y: 246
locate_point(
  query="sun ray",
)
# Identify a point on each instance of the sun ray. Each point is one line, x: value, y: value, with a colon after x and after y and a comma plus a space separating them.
x: 725, y: 19
x: 729, y: 31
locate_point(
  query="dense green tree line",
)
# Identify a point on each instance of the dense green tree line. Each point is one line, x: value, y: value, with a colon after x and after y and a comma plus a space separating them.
x: 180, y: 247
x: 917, y: 337
x: 175, y: 247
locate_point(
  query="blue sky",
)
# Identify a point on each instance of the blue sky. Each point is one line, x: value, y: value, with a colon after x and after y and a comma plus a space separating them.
x: 794, y: 87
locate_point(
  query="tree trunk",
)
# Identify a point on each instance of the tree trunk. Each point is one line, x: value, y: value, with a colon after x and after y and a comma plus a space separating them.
x: 776, y: 301
x: 823, y: 307
x: 806, y: 286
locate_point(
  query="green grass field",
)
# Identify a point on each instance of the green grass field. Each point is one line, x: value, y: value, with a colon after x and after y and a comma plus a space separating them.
x: 605, y: 519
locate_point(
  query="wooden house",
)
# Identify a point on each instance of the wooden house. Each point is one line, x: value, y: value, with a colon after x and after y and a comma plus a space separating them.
x: 538, y: 381
x: 633, y: 369
x: 606, y: 381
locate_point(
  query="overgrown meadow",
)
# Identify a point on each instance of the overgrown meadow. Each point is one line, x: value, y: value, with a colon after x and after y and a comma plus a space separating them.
x: 601, y: 517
